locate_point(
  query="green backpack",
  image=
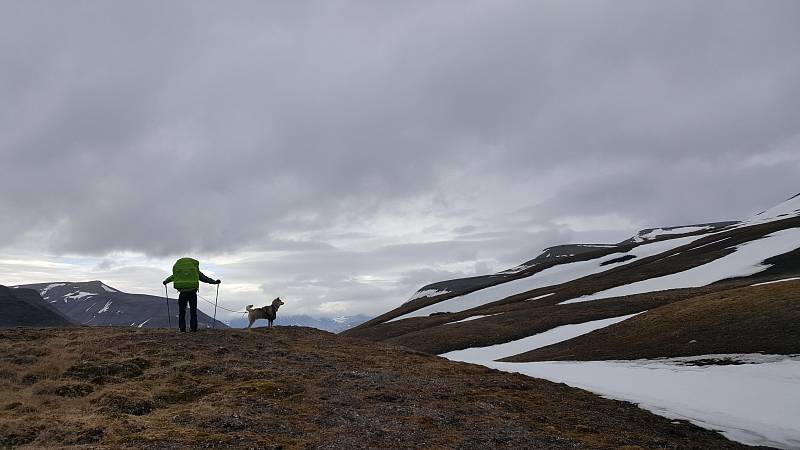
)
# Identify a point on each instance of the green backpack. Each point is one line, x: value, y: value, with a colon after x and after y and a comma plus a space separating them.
x: 186, y: 274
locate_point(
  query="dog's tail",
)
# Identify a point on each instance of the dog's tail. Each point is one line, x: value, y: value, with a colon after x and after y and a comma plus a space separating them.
x: 249, y: 308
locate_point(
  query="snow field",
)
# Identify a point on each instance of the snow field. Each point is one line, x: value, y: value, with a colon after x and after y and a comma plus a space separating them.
x: 757, y: 403
x: 785, y: 210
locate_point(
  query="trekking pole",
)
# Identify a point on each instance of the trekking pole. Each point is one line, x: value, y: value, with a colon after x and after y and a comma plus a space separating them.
x: 169, y: 315
x: 214, y: 323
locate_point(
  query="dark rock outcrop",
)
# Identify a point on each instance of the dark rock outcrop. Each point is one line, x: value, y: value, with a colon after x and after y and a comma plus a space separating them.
x: 25, y: 308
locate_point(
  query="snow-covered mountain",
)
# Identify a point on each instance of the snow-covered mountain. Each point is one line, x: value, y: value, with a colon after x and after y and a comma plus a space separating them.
x: 556, y: 255
x: 686, y: 306
x: 24, y: 307
x: 699, y: 255
x: 97, y: 304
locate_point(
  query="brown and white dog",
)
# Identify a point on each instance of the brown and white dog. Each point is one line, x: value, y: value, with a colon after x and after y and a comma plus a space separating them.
x: 265, y: 312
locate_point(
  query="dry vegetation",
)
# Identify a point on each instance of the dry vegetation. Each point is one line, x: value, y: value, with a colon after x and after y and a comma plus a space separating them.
x: 292, y: 388
x: 757, y: 319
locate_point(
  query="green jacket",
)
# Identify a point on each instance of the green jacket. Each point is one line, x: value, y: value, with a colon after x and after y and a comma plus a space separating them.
x: 186, y: 275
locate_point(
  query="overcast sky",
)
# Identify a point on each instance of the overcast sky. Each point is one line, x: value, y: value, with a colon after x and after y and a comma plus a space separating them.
x: 343, y: 154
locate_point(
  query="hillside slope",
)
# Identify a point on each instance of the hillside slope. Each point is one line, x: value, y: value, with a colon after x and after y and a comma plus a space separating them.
x: 293, y: 388
x: 97, y: 304
x: 755, y: 319
x: 24, y: 307
x: 654, y: 268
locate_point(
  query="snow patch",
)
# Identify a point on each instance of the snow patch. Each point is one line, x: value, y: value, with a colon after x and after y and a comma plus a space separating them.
x: 50, y: 286
x: 107, y: 289
x: 142, y: 324
x: 78, y: 296
x: 428, y: 293
x: 473, y: 318
x: 104, y: 308
x: 517, y: 269
x: 540, y: 297
x: 776, y: 281
x: 655, y: 233
x: 553, y: 336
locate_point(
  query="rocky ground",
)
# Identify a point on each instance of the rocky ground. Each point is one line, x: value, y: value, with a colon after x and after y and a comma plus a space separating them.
x: 293, y: 387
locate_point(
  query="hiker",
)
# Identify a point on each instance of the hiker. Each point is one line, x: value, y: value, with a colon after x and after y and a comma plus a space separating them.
x: 186, y: 278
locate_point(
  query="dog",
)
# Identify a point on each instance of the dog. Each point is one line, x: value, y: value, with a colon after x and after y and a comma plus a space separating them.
x: 265, y: 312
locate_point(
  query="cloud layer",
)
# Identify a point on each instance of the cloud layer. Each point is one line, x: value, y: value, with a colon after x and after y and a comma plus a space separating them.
x: 347, y: 152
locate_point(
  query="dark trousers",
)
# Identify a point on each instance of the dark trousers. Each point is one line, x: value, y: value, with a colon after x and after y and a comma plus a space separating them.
x: 191, y: 299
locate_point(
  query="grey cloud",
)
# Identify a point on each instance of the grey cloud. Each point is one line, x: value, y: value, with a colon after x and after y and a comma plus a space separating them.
x: 176, y: 127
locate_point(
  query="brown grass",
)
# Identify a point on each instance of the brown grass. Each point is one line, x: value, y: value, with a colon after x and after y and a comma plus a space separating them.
x: 293, y: 388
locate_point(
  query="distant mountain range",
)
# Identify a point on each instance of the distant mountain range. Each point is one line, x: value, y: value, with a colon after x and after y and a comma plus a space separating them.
x: 334, y: 325
x: 95, y: 303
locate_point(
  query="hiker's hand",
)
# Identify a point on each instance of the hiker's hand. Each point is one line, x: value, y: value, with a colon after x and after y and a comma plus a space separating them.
x: 219, y: 281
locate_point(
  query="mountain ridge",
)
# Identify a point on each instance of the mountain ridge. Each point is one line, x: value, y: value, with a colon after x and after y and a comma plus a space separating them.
x: 97, y: 304
x: 693, y: 249
x: 73, y: 299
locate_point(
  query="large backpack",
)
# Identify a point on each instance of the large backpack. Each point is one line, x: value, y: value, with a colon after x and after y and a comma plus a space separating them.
x: 186, y: 274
